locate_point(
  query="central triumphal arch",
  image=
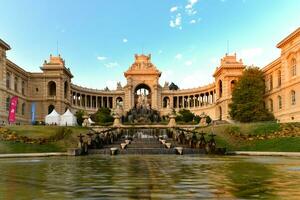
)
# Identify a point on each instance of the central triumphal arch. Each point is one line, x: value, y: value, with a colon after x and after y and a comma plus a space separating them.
x: 142, y: 84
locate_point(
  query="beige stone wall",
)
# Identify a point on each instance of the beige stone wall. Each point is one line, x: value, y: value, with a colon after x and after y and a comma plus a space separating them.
x: 282, y: 80
x: 206, y: 99
x: 2, y: 84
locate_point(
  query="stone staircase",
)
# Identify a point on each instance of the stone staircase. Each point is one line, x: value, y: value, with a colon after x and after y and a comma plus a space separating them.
x: 146, y: 146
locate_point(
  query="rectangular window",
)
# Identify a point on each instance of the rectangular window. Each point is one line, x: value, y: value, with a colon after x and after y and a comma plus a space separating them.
x: 293, y: 98
x: 279, y: 103
x: 294, y: 72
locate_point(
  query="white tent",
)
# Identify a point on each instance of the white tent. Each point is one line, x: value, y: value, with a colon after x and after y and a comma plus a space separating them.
x: 53, y: 118
x: 68, y: 119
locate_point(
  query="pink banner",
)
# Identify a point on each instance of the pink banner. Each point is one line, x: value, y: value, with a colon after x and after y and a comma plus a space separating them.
x: 12, y: 109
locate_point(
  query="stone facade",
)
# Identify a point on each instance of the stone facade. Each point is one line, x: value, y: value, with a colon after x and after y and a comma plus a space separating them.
x: 53, y: 88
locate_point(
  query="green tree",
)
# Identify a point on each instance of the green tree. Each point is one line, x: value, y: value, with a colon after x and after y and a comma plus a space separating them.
x: 79, y: 115
x: 102, y: 116
x: 248, y: 98
x: 185, y: 116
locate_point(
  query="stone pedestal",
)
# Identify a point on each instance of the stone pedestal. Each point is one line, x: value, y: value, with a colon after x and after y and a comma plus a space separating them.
x: 172, y: 122
x: 179, y: 150
x: 202, y: 121
x: 123, y: 145
x: 168, y: 145
x: 74, y: 151
x: 113, y: 151
x: 117, y: 121
x: 85, y: 122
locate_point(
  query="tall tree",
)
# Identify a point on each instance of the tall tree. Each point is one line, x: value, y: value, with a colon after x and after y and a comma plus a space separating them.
x: 248, y: 98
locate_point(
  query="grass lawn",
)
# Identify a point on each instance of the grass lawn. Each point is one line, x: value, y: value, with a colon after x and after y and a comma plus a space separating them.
x: 41, y: 132
x: 226, y: 137
x: 289, y: 144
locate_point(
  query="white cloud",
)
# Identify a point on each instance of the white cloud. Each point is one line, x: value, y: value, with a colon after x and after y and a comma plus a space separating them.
x: 178, y: 56
x: 173, y: 9
x: 111, y: 64
x: 250, y: 53
x: 192, y: 80
x: 125, y: 40
x: 192, y: 2
x: 101, y: 58
x: 176, y: 23
x: 193, y: 21
x: 188, y: 63
x: 258, y: 56
x: 111, y: 84
x: 189, y: 8
x: 167, y: 76
x: 160, y: 51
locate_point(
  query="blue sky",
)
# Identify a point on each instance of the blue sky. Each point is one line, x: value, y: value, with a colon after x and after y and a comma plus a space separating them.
x: 187, y: 38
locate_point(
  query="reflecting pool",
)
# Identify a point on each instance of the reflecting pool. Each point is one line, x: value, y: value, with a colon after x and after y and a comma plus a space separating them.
x: 150, y: 177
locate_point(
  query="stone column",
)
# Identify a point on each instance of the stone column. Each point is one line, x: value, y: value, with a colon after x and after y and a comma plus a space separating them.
x: 96, y: 99
x: 171, y: 102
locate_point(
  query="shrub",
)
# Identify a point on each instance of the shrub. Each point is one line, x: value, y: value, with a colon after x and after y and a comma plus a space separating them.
x: 102, y: 116
x: 197, y: 119
x: 208, y: 119
x: 60, y: 134
x: 185, y: 116
x: 232, y: 130
x: 79, y: 115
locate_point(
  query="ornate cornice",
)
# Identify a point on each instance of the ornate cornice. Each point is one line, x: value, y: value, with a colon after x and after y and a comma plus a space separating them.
x: 4, y: 45
x: 288, y: 38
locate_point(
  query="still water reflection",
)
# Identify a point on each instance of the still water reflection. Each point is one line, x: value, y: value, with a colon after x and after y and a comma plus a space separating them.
x: 150, y: 177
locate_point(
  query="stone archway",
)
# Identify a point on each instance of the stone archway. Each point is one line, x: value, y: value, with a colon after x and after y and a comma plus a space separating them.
x: 50, y: 108
x: 142, y: 96
x: 51, y: 88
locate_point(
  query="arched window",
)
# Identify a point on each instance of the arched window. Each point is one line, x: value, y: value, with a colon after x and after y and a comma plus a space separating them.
x: 220, y: 88
x: 232, y: 85
x: 7, y: 103
x: 119, y: 102
x: 271, y: 105
x: 23, y: 87
x: 293, y: 67
x: 271, y: 82
x: 166, y: 102
x: 279, y: 78
x: 293, y: 97
x: 23, y: 108
x: 50, y: 108
x: 52, y: 88
x: 279, y: 102
x: 8, y: 77
x: 66, y: 90
x: 16, y: 84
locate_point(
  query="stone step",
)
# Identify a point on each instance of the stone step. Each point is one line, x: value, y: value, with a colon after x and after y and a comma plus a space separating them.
x: 147, y: 151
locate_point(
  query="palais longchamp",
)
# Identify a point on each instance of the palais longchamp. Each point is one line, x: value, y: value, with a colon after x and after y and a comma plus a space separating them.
x: 52, y: 88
